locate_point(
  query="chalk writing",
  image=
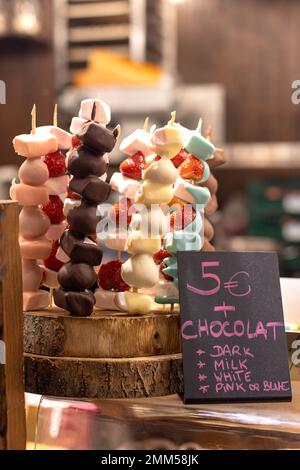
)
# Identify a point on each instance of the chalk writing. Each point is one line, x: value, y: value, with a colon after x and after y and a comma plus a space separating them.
x: 232, y: 327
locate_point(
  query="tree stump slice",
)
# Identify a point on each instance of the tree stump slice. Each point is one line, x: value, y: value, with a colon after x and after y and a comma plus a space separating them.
x: 104, y: 378
x: 112, y: 335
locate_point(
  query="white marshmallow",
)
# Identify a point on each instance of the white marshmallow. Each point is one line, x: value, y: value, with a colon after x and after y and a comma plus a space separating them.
x: 138, y: 141
x: 69, y: 204
x: 105, y: 299
x: 102, y: 111
x: 126, y: 186
x: 76, y: 124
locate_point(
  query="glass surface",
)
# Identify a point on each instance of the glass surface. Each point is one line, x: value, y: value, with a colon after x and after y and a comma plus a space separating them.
x: 166, y: 423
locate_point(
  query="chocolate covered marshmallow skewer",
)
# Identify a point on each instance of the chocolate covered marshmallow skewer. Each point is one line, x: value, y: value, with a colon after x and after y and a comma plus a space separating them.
x: 31, y: 193
x: 86, y: 164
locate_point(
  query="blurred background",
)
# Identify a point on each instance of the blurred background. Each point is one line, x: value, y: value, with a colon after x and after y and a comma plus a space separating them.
x: 232, y: 62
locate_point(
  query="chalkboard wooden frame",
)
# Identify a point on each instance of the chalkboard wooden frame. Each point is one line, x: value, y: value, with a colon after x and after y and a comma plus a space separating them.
x: 232, y: 328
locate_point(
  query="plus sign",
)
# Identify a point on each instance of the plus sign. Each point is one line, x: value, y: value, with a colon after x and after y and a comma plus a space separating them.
x: 224, y: 308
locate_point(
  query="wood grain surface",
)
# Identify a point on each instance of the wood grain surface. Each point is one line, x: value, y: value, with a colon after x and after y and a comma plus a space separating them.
x: 111, y: 334
x: 104, y: 378
x: 12, y: 407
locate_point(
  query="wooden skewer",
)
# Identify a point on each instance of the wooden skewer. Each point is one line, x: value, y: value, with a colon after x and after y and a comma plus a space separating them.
x: 51, y: 297
x: 199, y: 126
x: 208, y: 133
x: 119, y: 254
x: 55, y: 123
x: 171, y: 308
x: 173, y: 117
x: 33, y: 120
x: 55, y: 118
x: 146, y: 124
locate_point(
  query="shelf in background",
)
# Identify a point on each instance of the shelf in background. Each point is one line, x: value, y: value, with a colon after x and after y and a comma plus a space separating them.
x: 262, y: 156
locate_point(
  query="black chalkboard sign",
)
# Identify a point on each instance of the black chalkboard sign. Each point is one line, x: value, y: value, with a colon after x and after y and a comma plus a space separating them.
x: 232, y: 327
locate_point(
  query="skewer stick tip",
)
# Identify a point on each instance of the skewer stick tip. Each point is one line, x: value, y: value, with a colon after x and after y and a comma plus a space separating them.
x: 208, y: 133
x: 199, y: 126
x: 146, y: 124
x: 33, y: 119
x: 55, y: 118
x: 173, y: 117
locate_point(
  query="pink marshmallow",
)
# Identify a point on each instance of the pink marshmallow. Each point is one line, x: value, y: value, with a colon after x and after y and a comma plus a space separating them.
x: 105, y: 300
x: 55, y: 231
x: 102, y: 113
x: 58, y: 185
x: 64, y: 138
x: 33, y: 222
x: 33, y: 172
x: 35, y: 300
x: 181, y: 192
x: 27, y: 195
x: 35, y: 145
x: 32, y: 275
x: 40, y: 248
x: 138, y: 141
x: 50, y: 278
x: 62, y: 256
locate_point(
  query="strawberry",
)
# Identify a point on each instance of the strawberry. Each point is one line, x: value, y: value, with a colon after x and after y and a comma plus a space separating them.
x: 54, y: 209
x: 52, y: 262
x: 119, y: 212
x: 56, y: 164
x: 191, y: 168
x: 75, y: 141
x: 109, y: 277
x: 166, y: 276
x: 160, y: 255
x: 179, y: 158
x: 133, y: 166
x: 182, y: 218
x: 73, y: 195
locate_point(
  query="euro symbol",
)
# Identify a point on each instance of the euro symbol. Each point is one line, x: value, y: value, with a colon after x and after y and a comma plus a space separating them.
x: 234, y: 283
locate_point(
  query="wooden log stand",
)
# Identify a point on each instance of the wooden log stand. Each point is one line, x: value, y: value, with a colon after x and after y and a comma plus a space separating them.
x: 12, y: 406
x: 110, y: 355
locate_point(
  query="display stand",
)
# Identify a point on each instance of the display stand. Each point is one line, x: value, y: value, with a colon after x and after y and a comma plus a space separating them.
x: 12, y: 407
x: 112, y: 355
